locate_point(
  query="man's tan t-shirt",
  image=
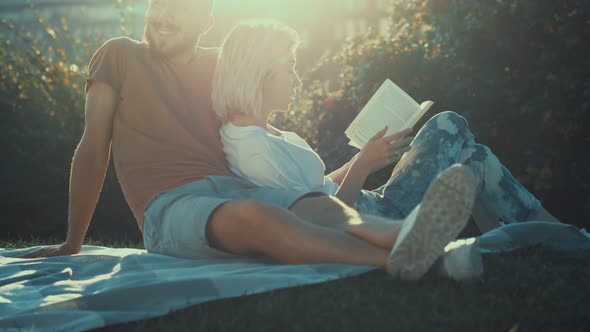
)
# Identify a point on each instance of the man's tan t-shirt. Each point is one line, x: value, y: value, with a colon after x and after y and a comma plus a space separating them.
x: 165, y: 133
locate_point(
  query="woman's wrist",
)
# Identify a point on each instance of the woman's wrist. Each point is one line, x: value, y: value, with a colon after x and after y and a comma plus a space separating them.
x: 358, y: 168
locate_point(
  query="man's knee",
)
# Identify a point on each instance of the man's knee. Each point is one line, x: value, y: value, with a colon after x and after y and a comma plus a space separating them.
x: 245, y: 214
x: 323, y: 207
x: 233, y: 223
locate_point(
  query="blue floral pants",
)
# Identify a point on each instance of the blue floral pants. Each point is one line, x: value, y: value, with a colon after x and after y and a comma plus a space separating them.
x: 443, y: 141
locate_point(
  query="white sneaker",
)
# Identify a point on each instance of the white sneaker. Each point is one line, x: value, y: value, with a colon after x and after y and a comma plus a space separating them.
x: 434, y: 223
x: 461, y: 261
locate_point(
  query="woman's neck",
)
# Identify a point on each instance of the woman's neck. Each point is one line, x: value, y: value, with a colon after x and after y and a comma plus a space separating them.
x: 242, y: 120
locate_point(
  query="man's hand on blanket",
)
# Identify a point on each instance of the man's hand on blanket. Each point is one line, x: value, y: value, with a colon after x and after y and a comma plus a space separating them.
x: 61, y: 250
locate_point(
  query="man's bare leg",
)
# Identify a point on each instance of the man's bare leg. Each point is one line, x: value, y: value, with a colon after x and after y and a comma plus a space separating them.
x: 329, y: 211
x: 252, y: 228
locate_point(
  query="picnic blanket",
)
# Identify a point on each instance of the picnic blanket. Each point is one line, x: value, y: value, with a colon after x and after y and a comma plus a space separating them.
x: 104, y: 286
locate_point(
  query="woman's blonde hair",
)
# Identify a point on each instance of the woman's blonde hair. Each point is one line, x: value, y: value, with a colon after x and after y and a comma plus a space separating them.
x: 245, y: 59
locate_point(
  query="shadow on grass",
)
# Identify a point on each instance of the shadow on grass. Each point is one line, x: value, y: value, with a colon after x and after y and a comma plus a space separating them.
x: 528, y: 290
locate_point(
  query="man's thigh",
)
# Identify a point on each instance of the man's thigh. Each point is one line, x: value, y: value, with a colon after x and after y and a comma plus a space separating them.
x: 176, y: 225
x: 179, y: 223
x: 233, y: 227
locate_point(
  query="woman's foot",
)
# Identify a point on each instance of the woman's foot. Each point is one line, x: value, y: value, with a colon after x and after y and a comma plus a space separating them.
x: 434, y: 223
x: 461, y: 261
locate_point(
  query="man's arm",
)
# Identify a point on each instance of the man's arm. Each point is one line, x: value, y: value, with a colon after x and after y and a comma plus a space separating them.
x: 88, y: 169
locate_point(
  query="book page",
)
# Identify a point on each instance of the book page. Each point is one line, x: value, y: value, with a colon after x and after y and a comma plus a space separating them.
x: 424, y: 107
x: 390, y: 106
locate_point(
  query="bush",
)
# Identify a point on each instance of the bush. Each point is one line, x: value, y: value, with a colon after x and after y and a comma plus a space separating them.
x: 517, y: 70
x: 42, y: 119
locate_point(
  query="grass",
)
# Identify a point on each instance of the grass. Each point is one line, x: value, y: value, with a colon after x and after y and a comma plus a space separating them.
x: 534, y: 289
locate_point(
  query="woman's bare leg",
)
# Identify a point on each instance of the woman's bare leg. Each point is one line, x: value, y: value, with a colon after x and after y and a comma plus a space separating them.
x: 252, y: 228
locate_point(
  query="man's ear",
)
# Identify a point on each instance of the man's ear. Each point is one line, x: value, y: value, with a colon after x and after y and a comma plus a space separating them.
x: 207, y: 24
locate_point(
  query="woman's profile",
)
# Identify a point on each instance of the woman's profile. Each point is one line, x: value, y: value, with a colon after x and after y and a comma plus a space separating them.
x: 256, y: 76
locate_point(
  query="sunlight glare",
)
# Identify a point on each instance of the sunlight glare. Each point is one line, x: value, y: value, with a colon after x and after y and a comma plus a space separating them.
x: 459, y: 243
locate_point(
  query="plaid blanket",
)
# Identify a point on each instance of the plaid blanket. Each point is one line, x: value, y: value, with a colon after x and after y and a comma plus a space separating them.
x: 104, y: 286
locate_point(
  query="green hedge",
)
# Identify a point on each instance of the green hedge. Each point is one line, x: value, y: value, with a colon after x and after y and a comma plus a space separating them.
x: 41, y: 122
x: 517, y: 70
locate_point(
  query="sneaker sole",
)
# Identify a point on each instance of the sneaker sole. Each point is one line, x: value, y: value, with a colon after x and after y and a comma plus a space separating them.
x: 444, y: 212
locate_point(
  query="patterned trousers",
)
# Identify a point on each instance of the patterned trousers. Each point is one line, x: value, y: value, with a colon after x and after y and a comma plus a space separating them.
x: 443, y: 141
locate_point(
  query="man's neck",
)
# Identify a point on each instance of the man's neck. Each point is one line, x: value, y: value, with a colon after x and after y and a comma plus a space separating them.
x: 184, y: 57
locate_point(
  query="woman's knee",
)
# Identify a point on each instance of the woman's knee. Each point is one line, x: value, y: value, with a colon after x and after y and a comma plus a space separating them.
x: 451, y: 122
x: 443, y: 127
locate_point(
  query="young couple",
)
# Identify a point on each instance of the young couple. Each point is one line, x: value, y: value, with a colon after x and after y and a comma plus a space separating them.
x: 206, y: 176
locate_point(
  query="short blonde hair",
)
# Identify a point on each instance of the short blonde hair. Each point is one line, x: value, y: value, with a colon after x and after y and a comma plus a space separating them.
x: 245, y: 59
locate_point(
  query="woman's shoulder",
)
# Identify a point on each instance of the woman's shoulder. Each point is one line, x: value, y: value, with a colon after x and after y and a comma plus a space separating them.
x: 233, y: 132
x: 246, y: 139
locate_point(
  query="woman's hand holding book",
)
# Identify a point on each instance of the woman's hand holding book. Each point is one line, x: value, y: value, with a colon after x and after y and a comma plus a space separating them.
x: 382, y: 151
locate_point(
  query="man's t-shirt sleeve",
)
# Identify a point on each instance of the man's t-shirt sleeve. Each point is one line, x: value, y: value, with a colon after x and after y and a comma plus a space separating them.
x: 107, y: 65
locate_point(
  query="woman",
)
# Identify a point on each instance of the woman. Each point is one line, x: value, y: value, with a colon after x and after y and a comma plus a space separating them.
x: 251, y: 82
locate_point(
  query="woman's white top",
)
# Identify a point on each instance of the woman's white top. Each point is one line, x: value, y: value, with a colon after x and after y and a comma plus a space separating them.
x: 284, y: 162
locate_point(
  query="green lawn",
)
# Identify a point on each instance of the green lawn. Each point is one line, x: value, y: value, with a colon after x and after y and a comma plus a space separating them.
x: 530, y: 290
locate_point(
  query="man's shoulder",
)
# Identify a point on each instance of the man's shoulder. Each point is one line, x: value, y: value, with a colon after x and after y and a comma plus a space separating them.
x: 122, y: 45
x: 207, y: 54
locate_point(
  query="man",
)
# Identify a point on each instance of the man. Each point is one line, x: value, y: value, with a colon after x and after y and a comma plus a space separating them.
x: 150, y: 102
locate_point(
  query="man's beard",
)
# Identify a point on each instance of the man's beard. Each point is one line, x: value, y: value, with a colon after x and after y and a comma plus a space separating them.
x: 171, y: 47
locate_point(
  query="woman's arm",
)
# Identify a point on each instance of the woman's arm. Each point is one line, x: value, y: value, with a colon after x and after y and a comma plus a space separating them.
x: 352, y: 182
x: 378, y: 152
x: 339, y: 174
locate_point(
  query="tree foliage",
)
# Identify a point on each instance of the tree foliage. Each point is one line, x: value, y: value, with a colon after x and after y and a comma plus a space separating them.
x: 517, y: 70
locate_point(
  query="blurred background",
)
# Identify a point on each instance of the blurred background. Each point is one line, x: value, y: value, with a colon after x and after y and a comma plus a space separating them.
x: 517, y: 70
x: 322, y: 24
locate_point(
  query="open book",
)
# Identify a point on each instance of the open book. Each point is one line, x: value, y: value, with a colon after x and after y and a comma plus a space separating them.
x: 390, y: 106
